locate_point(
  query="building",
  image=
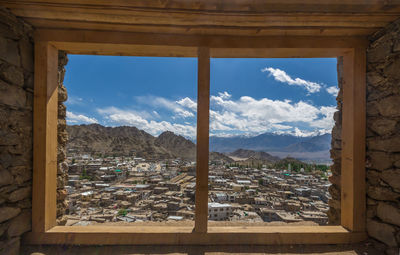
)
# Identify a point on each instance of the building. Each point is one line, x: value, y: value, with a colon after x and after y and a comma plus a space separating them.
x: 217, y: 211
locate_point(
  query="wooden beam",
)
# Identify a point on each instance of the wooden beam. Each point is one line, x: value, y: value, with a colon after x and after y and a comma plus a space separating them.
x: 276, y: 52
x: 203, y: 115
x: 124, y: 235
x: 197, y: 18
x: 353, y: 196
x: 326, y: 6
x: 83, y: 41
x: 40, y: 23
x: 45, y: 138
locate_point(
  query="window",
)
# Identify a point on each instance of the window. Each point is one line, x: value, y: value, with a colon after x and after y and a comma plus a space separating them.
x: 352, y: 227
x: 132, y: 143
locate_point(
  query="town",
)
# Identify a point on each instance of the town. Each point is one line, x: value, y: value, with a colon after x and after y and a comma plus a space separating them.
x: 134, y: 189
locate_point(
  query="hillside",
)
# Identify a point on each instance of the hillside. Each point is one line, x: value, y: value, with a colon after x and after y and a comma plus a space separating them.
x: 126, y: 140
x: 253, y: 155
x: 314, y: 148
x: 177, y: 145
x: 122, y: 140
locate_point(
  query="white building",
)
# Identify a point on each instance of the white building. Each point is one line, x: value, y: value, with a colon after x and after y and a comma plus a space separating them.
x: 217, y: 211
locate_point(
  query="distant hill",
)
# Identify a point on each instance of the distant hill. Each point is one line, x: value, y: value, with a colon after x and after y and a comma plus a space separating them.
x: 95, y: 138
x: 126, y: 140
x: 281, y: 145
x: 250, y: 154
x: 177, y: 145
x: 312, y: 144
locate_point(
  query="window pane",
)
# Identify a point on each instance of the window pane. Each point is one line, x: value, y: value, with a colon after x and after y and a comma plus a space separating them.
x: 270, y: 125
x: 131, y: 149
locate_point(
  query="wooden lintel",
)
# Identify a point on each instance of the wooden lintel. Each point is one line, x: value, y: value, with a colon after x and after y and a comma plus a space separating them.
x: 63, y: 39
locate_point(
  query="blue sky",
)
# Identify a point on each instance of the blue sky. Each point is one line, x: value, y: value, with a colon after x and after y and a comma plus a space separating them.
x: 248, y: 96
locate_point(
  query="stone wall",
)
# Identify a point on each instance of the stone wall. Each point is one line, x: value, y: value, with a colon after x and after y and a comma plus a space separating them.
x: 336, y: 146
x: 62, y: 170
x: 383, y: 137
x: 16, y: 102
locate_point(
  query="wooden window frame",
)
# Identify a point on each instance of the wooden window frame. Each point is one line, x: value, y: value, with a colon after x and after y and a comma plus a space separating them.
x: 353, y: 196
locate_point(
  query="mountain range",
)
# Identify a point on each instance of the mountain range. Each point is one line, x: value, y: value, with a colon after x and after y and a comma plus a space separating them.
x: 314, y: 148
x: 125, y: 140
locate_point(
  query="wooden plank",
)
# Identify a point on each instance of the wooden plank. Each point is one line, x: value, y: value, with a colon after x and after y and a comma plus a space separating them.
x: 216, y: 235
x: 202, y: 30
x: 62, y: 39
x: 353, y: 198
x: 202, y: 141
x: 196, y: 18
x: 44, y: 138
x: 276, y: 52
x: 130, y: 50
x: 349, y: 6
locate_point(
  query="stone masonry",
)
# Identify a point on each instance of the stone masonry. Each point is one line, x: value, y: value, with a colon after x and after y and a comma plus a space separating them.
x: 16, y: 102
x: 383, y: 137
x: 336, y: 145
x: 62, y: 170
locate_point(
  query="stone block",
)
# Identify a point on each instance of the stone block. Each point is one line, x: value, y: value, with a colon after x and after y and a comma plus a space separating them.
x: 26, y: 49
x: 388, y: 213
x: 383, y: 126
x: 7, y: 213
x: 374, y: 78
x: 9, y: 51
x: 21, y: 174
x: 392, y: 178
x: 12, y: 95
x: 382, y: 232
x: 334, y: 191
x: 382, y: 193
x: 20, y: 224
x: 62, y: 168
x: 62, y: 111
x: 62, y: 94
x: 20, y: 194
x: 5, y: 177
x: 373, y: 177
x: 392, y: 70
x: 380, y: 50
x: 379, y: 160
x: 12, y: 74
x: 391, y: 144
x: 389, y: 106
x: 372, y: 109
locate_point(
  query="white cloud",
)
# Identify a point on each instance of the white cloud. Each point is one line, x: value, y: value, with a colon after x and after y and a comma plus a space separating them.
x: 178, y: 107
x: 333, y: 90
x: 254, y: 116
x: 72, y: 100
x: 224, y: 95
x: 188, y: 103
x: 228, y: 116
x: 79, y: 118
x: 326, y: 122
x: 132, y: 118
x: 282, y: 76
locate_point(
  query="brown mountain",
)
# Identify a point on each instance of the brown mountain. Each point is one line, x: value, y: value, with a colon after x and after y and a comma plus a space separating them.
x: 177, y: 145
x: 126, y: 140
x: 122, y: 140
x: 254, y: 155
